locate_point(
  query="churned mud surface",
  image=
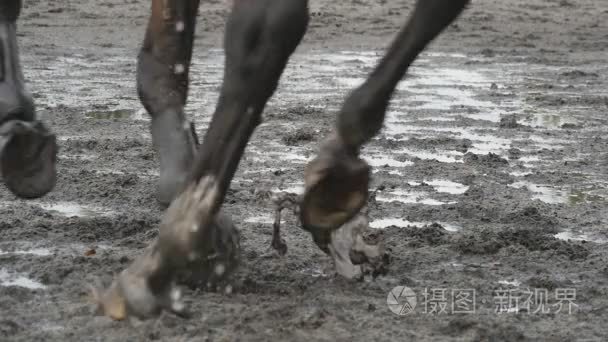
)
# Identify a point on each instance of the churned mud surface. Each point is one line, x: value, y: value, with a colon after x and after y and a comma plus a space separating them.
x: 491, y: 175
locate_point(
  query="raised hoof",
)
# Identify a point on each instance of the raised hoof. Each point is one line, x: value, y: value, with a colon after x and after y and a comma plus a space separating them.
x: 28, y: 155
x: 336, y: 190
x: 175, y: 142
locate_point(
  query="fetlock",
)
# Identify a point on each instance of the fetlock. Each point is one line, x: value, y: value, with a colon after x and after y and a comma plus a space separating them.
x: 16, y: 102
x: 175, y: 143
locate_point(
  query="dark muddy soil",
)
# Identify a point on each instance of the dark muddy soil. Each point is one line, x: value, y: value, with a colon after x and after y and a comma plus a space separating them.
x: 491, y: 176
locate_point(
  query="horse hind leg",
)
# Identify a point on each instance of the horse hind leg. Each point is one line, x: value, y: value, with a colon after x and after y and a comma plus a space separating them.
x: 162, y: 83
x: 337, y: 179
x: 27, y: 149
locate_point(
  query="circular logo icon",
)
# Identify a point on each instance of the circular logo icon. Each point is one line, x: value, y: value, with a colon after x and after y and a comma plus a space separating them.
x: 401, y: 300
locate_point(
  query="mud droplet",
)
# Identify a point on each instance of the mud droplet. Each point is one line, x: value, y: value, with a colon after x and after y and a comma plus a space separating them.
x: 178, y: 306
x: 219, y: 269
x: 179, y: 69
x: 192, y: 256
x: 176, y: 294
x: 228, y: 289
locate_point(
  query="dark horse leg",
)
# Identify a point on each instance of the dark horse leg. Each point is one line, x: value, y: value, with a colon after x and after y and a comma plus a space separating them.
x: 162, y: 83
x: 337, y: 180
x: 260, y: 37
x: 27, y: 149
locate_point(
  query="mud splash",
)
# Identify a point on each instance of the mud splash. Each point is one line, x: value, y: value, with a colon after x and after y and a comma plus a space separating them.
x: 13, y: 279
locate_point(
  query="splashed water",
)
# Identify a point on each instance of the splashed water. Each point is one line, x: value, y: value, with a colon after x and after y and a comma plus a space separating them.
x: 388, y: 222
x: 13, y: 279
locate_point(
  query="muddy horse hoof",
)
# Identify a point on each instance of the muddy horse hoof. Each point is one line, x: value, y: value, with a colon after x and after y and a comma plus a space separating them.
x: 191, y: 244
x: 353, y: 257
x: 337, y: 184
x: 131, y: 295
x: 215, y: 269
x: 28, y: 152
x: 142, y: 291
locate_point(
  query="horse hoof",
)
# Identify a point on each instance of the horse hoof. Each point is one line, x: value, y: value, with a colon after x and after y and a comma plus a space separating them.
x: 336, y: 190
x: 215, y: 269
x: 28, y: 154
x: 149, y: 285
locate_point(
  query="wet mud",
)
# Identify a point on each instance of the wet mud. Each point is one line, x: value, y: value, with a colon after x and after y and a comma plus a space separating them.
x: 491, y: 175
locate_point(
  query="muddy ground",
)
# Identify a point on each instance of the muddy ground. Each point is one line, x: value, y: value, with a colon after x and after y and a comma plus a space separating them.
x: 491, y: 176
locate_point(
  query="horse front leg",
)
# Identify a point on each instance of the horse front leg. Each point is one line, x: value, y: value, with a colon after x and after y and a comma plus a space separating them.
x: 27, y: 149
x: 260, y: 37
x: 162, y: 84
x: 337, y: 180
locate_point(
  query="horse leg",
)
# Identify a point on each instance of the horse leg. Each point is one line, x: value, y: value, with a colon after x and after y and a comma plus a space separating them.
x: 260, y: 37
x: 27, y: 149
x: 337, y: 180
x: 162, y: 83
